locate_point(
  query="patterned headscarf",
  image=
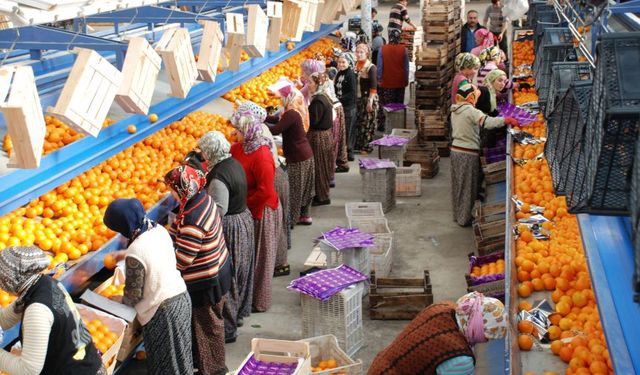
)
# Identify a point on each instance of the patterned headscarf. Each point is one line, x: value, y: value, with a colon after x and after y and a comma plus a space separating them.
x: 215, y: 148
x: 20, y: 268
x: 323, y: 83
x: 248, y: 119
x: 481, y: 318
x: 292, y: 99
x: 487, y: 38
x: 394, y: 36
x: 186, y: 181
x: 310, y: 66
x: 467, y: 93
x: 348, y: 41
x: 490, y: 54
x: 466, y: 60
x: 127, y: 217
x: 350, y: 57
x: 488, y: 82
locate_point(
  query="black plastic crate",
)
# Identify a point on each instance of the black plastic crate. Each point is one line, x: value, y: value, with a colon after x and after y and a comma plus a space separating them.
x: 562, y: 76
x: 535, y: 7
x: 556, y: 46
x: 636, y: 274
x: 565, y: 131
x: 612, y: 128
x: 547, y: 18
x: 635, y: 195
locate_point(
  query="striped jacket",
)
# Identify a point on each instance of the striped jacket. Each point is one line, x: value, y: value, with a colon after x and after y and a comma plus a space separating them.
x: 199, y: 242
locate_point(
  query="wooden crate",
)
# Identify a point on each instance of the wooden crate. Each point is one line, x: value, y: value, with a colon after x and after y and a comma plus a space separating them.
x: 311, y: 11
x: 487, y: 213
x: 235, y: 40
x: 331, y: 11
x: 274, y: 12
x: 257, y: 27
x: 179, y: 61
x: 88, y: 93
x: 115, y: 325
x: 210, y: 51
x: 398, y: 298
x: 495, y: 177
x: 292, y: 20
x: 426, y: 155
x: 139, y: 75
x: 20, y: 105
x: 433, y: 131
x: 489, y: 237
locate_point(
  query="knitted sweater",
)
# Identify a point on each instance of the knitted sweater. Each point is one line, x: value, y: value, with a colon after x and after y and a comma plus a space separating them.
x: 466, y: 122
x: 427, y: 341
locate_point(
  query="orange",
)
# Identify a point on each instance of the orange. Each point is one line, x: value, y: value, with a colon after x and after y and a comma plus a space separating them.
x: 525, y: 342
x: 598, y: 367
x: 524, y: 305
x: 563, y: 308
x: 549, y: 283
x: 556, y: 346
x: 525, y: 326
x: 153, y: 118
x: 554, y: 332
x: 131, y: 129
x: 565, y: 353
x: 110, y: 262
x: 524, y: 290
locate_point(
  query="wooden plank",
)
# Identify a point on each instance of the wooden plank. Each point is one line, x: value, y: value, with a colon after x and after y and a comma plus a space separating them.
x: 257, y: 28
x: 274, y: 12
x: 87, y: 95
x: 20, y: 105
x: 210, y: 51
x: 177, y: 55
x: 235, y: 40
x: 291, y: 19
x: 140, y: 73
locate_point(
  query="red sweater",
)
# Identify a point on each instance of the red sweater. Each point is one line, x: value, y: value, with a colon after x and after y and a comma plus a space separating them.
x: 261, y: 174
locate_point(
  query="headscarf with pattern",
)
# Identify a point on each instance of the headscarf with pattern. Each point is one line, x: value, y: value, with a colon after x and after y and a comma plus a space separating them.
x: 487, y: 38
x: 490, y: 54
x: 467, y: 93
x: 186, y: 181
x: 248, y: 119
x: 214, y: 147
x: 348, y: 41
x: 324, y: 85
x: 350, y: 57
x: 292, y: 99
x: 466, y: 60
x: 394, y: 36
x: 20, y: 269
x: 127, y: 217
x: 488, y: 82
x: 310, y: 66
x: 481, y: 318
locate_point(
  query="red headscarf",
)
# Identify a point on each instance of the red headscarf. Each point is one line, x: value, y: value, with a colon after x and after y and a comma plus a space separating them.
x: 186, y: 181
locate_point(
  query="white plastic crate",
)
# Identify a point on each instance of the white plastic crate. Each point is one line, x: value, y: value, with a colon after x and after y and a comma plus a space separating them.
x: 373, y: 225
x: 379, y: 185
x: 382, y: 255
x: 357, y: 258
x: 366, y: 209
x: 326, y: 347
x: 340, y: 315
x: 408, y: 181
x: 393, y: 153
x: 405, y: 133
x: 280, y: 351
x: 274, y: 12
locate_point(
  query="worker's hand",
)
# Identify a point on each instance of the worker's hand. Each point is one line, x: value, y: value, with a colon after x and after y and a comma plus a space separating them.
x: 500, y: 37
x: 369, y: 106
x: 511, y: 121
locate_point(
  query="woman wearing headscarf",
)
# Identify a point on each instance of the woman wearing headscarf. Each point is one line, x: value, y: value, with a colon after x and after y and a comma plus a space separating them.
x: 466, y: 124
x: 252, y: 151
x: 367, y: 98
x: 339, y: 133
x: 154, y: 287
x: 393, y: 74
x: 377, y: 41
x: 308, y: 67
x: 484, y: 39
x: 203, y: 260
x: 466, y: 66
x: 298, y: 153
x: 320, y: 136
x: 441, y: 338
x: 346, y: 86
x: 227, y: 185
x: 494, y: 83
x: 348, y: 42
x: 54, y: 338
x: 492, y: 58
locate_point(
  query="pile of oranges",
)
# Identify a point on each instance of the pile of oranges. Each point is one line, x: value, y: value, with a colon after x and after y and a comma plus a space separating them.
x: 102, y: 336
x: 113, y: 291
x: 256, y: 89
x: 57, y: 135
x: 523, y: 52
x: 327, y: 365
x: 493, y: 268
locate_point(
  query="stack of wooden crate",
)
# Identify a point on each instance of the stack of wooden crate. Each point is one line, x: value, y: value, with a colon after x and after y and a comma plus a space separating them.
x: 441, y: 24
x: 412, y: 39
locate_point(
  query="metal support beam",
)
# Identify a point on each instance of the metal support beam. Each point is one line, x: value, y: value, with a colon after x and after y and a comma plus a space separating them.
x: 628, y: 7
x: 152, y: 14
x: 39, y: 38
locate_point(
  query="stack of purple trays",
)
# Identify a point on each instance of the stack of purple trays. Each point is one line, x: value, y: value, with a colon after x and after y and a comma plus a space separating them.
x: 372, y: 163
x: 390, y: 140
x: 498, y: 153
x: 348, y: 238
x: 325, y: 284
x: 524, y: 117
x: 256, y: 367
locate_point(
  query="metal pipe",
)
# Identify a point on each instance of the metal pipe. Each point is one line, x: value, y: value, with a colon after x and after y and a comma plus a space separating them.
x: 575, y: 33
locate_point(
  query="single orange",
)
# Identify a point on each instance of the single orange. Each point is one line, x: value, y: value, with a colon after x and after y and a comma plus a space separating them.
x: 525, y: 326
x: 556, y: 346
x: 525, y: 342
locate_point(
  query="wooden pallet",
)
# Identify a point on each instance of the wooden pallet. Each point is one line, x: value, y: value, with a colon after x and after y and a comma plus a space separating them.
x: 399, y: 299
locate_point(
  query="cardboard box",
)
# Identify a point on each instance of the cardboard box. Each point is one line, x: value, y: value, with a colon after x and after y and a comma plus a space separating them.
x: 133, y: 334
x: 116, y: 325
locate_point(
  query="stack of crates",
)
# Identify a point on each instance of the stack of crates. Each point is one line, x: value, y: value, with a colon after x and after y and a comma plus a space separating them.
x: 369, y: 218
x: 379, y: 185
x: 556, y: 46
x: 563, y: 74
x: 412, y: 39
x: 357, y: 258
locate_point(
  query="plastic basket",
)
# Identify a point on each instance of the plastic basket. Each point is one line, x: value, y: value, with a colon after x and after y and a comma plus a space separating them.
x: 340, y: 315
x: 546, y: 18
x: 565, y: 130
x: 379, y: 185
x: 393, y: 153
x: 366, y: 209
x: 635, y: 194
x: 326, y: 347
x: 394, y: 118
x: 382, y: 255
x: 563, y: 74
x: 357, y: 257
x: 556, y: 46
x: 534, y: 8
x: 611, y: 133
x: 409, y: 181
x: 405, y: 133
x: 373, y: 225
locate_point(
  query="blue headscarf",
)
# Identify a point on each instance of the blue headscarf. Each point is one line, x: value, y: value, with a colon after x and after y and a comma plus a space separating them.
x: 127, y: 217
